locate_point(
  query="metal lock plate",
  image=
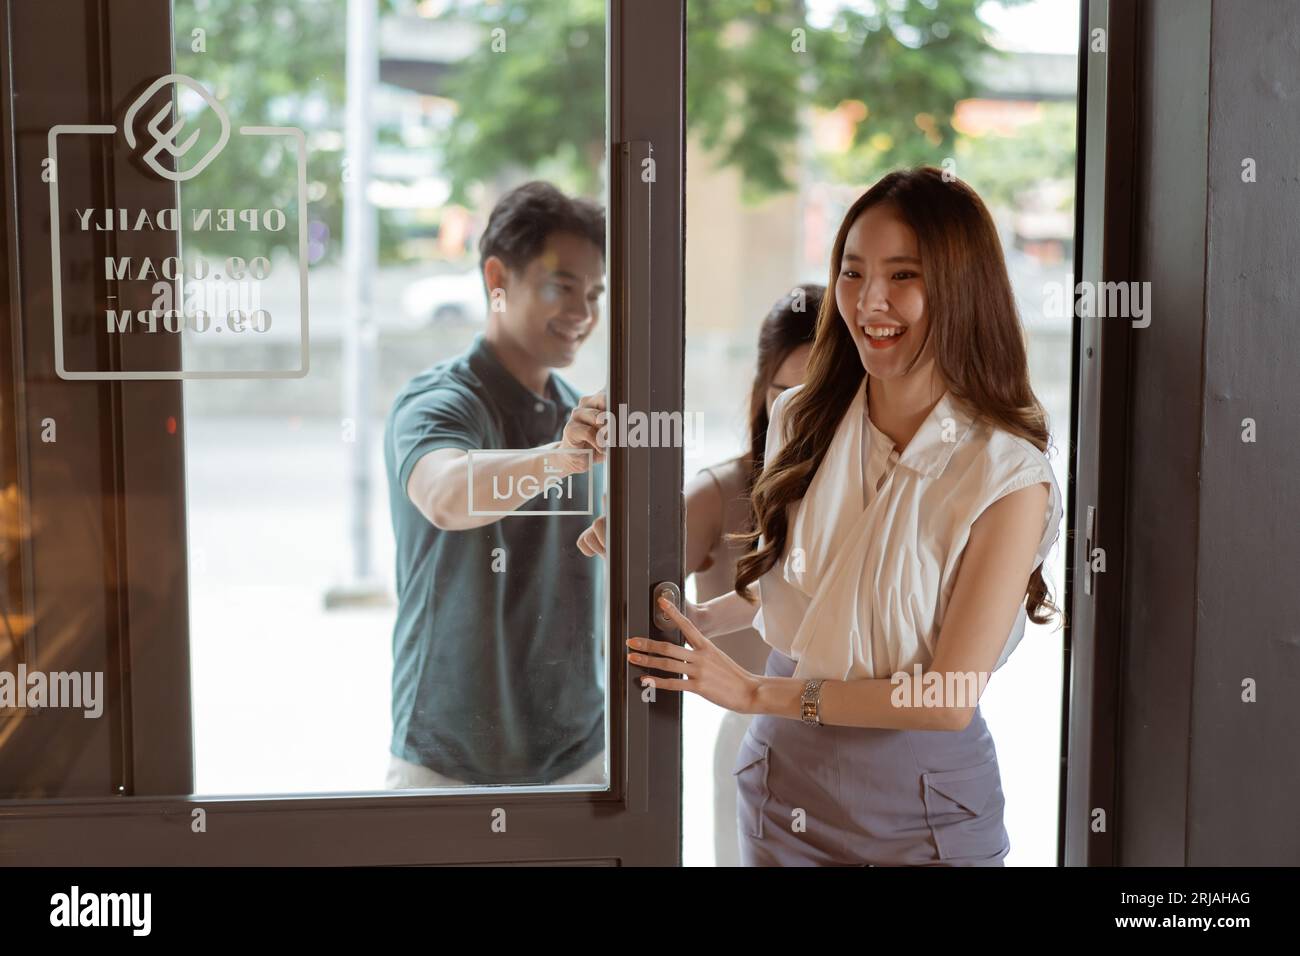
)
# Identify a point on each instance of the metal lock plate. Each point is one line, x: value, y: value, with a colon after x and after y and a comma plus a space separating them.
x: 673, y: 593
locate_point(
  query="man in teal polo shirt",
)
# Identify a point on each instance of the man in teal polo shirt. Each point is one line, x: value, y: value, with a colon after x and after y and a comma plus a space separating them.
x: 498, y: 667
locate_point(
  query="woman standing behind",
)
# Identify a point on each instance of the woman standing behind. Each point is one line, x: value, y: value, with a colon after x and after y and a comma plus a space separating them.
x: 717, y: 504
x: 903, y: 517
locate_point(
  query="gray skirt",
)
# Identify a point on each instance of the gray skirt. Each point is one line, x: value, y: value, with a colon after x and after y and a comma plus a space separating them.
x: 855, y: 796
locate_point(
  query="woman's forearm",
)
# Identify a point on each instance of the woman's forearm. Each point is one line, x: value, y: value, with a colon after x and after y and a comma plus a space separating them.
x: 878, y: 703
x: 898, y: 703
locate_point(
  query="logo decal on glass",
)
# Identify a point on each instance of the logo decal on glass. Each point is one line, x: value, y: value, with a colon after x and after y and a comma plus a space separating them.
x: 206, y: 298
x: 166, y: 139
x: 554, y: 484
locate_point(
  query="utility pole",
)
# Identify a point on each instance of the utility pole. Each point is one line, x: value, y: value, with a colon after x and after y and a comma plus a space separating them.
x: 359, y: 333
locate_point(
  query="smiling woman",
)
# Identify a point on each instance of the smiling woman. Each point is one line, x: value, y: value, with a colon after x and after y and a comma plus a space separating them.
x: 903, y: 515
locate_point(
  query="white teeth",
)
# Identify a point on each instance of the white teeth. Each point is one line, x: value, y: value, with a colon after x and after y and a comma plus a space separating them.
x: 882, y: 332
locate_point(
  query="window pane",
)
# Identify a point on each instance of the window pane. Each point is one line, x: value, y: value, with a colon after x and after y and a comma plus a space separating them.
x: 362, y: 643
x: 793, y: 111
x: 356, y: 622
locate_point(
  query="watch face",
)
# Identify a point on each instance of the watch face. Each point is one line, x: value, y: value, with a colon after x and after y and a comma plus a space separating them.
x: 809, y: 701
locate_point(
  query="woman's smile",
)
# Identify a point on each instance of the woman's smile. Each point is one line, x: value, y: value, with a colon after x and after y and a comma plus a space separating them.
x: 883, y: 336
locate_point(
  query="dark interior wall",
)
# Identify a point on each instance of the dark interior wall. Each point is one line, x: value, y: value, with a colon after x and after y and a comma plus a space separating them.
x: 1212, y: 525
x: 1172, y: 89
x: 1245, y: 765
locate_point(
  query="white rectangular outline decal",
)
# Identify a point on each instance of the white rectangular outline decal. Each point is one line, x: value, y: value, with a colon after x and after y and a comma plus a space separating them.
x: 56, y: 266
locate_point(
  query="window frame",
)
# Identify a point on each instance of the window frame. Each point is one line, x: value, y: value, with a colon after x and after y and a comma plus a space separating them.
x: 1099, y: 431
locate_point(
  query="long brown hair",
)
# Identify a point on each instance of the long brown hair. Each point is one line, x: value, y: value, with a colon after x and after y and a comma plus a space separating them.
x: 789, y: 325
x: 979, y: 350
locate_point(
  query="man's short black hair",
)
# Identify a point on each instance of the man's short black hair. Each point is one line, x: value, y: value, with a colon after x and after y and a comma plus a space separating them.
x: 523, y: 218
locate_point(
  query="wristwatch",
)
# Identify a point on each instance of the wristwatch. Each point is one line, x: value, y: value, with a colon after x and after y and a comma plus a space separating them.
x: 810, y: 703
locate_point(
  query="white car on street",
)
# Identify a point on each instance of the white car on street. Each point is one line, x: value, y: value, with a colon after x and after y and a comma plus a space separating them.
x: 455, y: 298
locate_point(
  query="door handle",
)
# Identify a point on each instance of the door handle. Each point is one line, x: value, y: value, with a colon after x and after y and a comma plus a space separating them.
x: 674, y: 594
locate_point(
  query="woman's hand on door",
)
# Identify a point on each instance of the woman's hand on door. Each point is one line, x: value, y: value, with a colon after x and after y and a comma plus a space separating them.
x: 704, y: 669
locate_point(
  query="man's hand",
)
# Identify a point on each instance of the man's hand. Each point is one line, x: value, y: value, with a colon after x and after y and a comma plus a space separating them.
x: 592, y: 541
x: 582, y: 432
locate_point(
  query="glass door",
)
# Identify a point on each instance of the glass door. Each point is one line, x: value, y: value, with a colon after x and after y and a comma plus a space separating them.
x: 845, y: 91
x: 310, y: 303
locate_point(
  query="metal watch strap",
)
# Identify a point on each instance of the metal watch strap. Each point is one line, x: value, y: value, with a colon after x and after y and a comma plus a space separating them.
x: 810, y: 702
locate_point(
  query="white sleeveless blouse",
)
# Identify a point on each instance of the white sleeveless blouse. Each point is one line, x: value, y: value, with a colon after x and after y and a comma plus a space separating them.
x: 862, y: 587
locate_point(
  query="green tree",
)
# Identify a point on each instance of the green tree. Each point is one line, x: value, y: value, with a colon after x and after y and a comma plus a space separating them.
x: 1003, y: 168
x: 273, y: 62
x: 537, y: 105
x: 751, y: 66
x: 270, y: 63
x: 531, y: 97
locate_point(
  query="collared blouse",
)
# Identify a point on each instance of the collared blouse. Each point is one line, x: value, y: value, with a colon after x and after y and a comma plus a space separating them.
x: 875, y: 545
